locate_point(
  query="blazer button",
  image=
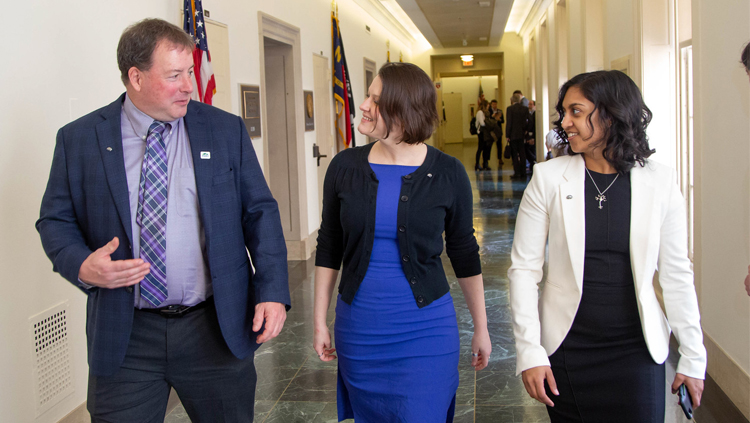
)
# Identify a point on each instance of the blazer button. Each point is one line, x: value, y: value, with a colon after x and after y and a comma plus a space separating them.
x: 404, y: 198
x: 129, y: 289
x: 413, y: 281
x: 402, y: 228
x: 420, y: 299
x: 405, y: 257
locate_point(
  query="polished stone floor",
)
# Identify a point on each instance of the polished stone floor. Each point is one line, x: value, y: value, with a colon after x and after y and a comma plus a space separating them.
x: 294, y: 386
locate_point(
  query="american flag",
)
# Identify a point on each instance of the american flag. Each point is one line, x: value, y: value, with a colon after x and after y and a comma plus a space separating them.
x: 204, y: 84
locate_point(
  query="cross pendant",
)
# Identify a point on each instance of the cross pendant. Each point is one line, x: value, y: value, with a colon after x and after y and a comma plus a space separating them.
x: 601, y: 198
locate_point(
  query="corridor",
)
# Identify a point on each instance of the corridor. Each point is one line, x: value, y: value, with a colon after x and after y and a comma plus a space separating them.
x: 295, y: 387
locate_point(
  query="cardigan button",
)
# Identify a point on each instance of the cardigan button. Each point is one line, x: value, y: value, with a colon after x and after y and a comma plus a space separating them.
x: 405, y: 257
x: 407, y: 176
x: 413, y: 281
x: 404, y: 198
x: 420, y: 299
x: 402, y: 228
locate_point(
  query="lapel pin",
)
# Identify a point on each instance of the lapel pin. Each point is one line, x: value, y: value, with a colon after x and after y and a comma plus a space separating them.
x: 109, y: 148
x: 569, y: 197
x: 205, y: 155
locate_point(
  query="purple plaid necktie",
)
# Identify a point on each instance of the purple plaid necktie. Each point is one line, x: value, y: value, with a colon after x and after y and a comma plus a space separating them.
x: 152, y: 214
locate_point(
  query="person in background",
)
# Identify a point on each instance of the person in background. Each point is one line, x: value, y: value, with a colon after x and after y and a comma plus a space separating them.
x: 515, y: 133
x: 530, y: 144
x: 484, y: 137
x: 554, y: 147
x: 592, y: 347
x: 386, y: 206
x: 158, y: 237
x: 497, y: 114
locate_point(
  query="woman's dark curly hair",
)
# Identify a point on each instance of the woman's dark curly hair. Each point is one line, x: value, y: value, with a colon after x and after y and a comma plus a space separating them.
x: 408, y: 99
x: 745, y: 57
x: 622, y: 113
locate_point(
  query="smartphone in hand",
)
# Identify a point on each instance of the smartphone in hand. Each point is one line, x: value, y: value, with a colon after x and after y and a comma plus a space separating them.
x: 686, y: 402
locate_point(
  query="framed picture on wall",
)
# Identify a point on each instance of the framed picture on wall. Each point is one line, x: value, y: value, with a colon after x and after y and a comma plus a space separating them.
x: 309, y: 111
x: 472, y: 107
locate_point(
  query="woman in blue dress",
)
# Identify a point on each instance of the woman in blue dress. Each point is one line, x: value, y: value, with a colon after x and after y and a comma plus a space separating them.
x: 386, y: 206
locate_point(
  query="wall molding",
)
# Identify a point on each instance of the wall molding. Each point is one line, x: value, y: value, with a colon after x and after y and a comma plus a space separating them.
x: 729, y: 375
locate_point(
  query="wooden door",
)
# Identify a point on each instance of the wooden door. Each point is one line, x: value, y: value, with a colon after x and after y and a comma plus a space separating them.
x: 453, y: 118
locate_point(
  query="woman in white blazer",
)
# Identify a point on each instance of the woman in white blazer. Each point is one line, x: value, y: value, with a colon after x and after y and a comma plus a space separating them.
x: 592, y: 346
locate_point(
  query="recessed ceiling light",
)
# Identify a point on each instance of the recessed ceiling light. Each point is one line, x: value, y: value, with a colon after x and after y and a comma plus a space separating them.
x: 484, y: 4
x: 482, y: 38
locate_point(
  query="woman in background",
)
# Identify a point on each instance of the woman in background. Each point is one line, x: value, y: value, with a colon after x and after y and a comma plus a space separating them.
x: 385, y: 208
x: 483, y: 137
x: 592, y: 347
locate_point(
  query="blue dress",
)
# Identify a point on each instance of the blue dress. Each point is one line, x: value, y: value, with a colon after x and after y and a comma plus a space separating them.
x: 396, y: 362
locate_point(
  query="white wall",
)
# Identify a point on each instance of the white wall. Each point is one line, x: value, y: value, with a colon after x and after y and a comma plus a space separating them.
x: 64, y: 66
x: 468, y: 87
x: 722, y: 187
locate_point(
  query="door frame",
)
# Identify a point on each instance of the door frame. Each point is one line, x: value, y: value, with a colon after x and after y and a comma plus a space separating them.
x: 278, y: 30
x: 369, y: 65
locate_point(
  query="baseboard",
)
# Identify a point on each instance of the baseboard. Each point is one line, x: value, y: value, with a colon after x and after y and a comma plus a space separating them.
x: 301, y: 250
x: 730, y: 376
x: 81, y: 415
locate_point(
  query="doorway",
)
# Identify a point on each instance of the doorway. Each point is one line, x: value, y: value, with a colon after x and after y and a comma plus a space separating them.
x: 282, y: 117
x: 370, y: 72
x: 281, y: 133
x: 323, y: 129
x: 453, y: 118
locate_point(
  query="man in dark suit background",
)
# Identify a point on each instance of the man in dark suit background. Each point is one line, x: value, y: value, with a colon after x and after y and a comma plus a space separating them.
x: 530, y: 145
x: 151, y: 208
x: 516, y: 120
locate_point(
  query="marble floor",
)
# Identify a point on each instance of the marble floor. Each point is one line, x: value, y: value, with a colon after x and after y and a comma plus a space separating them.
x: 294, y: 386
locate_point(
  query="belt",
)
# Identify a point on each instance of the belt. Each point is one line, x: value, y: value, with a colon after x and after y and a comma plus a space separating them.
x: 177, y: 310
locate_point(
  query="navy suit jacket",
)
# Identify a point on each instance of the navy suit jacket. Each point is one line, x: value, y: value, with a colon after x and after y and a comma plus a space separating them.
x: 86, y: 204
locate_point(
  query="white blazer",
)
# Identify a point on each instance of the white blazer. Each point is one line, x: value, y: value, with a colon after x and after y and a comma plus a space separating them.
x: 553, y: 210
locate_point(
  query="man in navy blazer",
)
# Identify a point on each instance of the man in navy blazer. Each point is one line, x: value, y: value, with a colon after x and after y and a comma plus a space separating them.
x: 219, y: 308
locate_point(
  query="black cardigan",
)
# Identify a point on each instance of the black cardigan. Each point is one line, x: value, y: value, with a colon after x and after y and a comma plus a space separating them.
x: 434, y: 198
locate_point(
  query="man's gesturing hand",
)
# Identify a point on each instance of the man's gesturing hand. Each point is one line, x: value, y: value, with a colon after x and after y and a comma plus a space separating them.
x: 274, y: 314
x: 100, y: 270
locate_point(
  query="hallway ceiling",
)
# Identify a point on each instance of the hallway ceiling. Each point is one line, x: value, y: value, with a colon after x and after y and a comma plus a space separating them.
x: 447, y: 23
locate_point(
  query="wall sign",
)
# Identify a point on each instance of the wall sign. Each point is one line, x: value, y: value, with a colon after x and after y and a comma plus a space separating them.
x: 309, y: 111
x: 250, y: 95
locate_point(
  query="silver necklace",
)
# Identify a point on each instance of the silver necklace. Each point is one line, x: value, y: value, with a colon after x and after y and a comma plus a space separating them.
x: 601, y: 197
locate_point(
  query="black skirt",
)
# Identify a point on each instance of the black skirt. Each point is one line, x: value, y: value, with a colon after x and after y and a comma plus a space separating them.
x: 603, y: 369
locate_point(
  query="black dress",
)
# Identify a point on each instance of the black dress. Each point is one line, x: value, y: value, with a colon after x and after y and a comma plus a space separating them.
x: 603, y: 369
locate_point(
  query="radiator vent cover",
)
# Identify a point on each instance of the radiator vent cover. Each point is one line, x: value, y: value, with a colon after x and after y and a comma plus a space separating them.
x: 51, y: 352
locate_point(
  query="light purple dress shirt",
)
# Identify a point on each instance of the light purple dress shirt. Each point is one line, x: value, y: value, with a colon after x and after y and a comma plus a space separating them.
x: 188, y: 279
